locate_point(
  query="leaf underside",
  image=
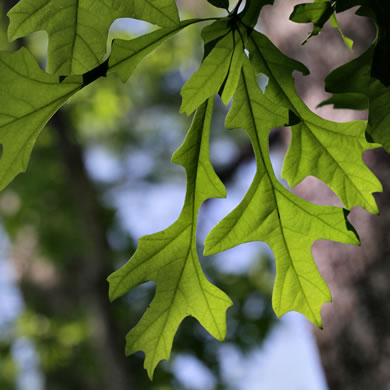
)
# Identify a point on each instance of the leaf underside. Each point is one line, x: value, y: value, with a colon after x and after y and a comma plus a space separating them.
x: 270, y: 213
x: 78, y: 29
x: 169, y: 258
x: 234, y: 55
x: 29, y: 97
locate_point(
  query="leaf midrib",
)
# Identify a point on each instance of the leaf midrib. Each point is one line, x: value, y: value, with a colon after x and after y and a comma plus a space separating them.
x: 272, y: 178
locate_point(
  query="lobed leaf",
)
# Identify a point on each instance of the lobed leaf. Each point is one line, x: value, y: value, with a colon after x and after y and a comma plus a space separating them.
x: 208, y: 79
x: 169, y: 258
x: 236, y: 62
x: 28, y: 99
x: 335, y: 24
x: 328, y: 150
x: 272, y: 214
x: 78, y: 29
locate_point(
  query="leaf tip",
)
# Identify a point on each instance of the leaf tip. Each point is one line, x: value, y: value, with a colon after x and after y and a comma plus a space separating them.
x: 209, y: 248
x: 150, y: 371
x: 184, y: 109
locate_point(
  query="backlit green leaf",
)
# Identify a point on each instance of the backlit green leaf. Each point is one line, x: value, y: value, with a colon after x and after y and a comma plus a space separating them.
x: 235, y: 66
x: 335, y: 23
x: 208, y: 79
x: 78, y: 29
x: 271, y: 213
x: 318, y: 13
x: 330, y: 151
x: 169, y: 258
x: 28, y: 98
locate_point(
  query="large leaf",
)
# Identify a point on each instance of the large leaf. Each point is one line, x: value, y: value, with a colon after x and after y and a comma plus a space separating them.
x: 355, y: 77
x: 169, y: 258
x: 78, y: 29
x: 28, y: 98
x: 271, y: 213
x: 328, y: 150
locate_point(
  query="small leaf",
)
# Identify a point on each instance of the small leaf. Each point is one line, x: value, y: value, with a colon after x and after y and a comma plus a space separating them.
x: 272, y: 214
x: 317, y: 13
x: 28, y: 99
x: 169, y: 258
x: 78, y: 29
x: 335, y: 23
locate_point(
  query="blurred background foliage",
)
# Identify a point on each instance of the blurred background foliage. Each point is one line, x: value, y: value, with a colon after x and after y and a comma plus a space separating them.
x: 67, y: 221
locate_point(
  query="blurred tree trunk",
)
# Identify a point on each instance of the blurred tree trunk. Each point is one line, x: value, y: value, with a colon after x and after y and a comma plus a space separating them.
x: 95, y: 261
x: 89, y: 285
x: 355, y: 343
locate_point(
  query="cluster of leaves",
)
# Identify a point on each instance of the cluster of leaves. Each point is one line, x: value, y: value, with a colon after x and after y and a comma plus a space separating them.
x: 234, y: 54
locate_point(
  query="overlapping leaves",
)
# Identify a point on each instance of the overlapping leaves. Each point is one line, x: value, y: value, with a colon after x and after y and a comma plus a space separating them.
x: 29, y: 97
x: 318, y: 13
x: 78, y: 29
x: 269, y: 212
